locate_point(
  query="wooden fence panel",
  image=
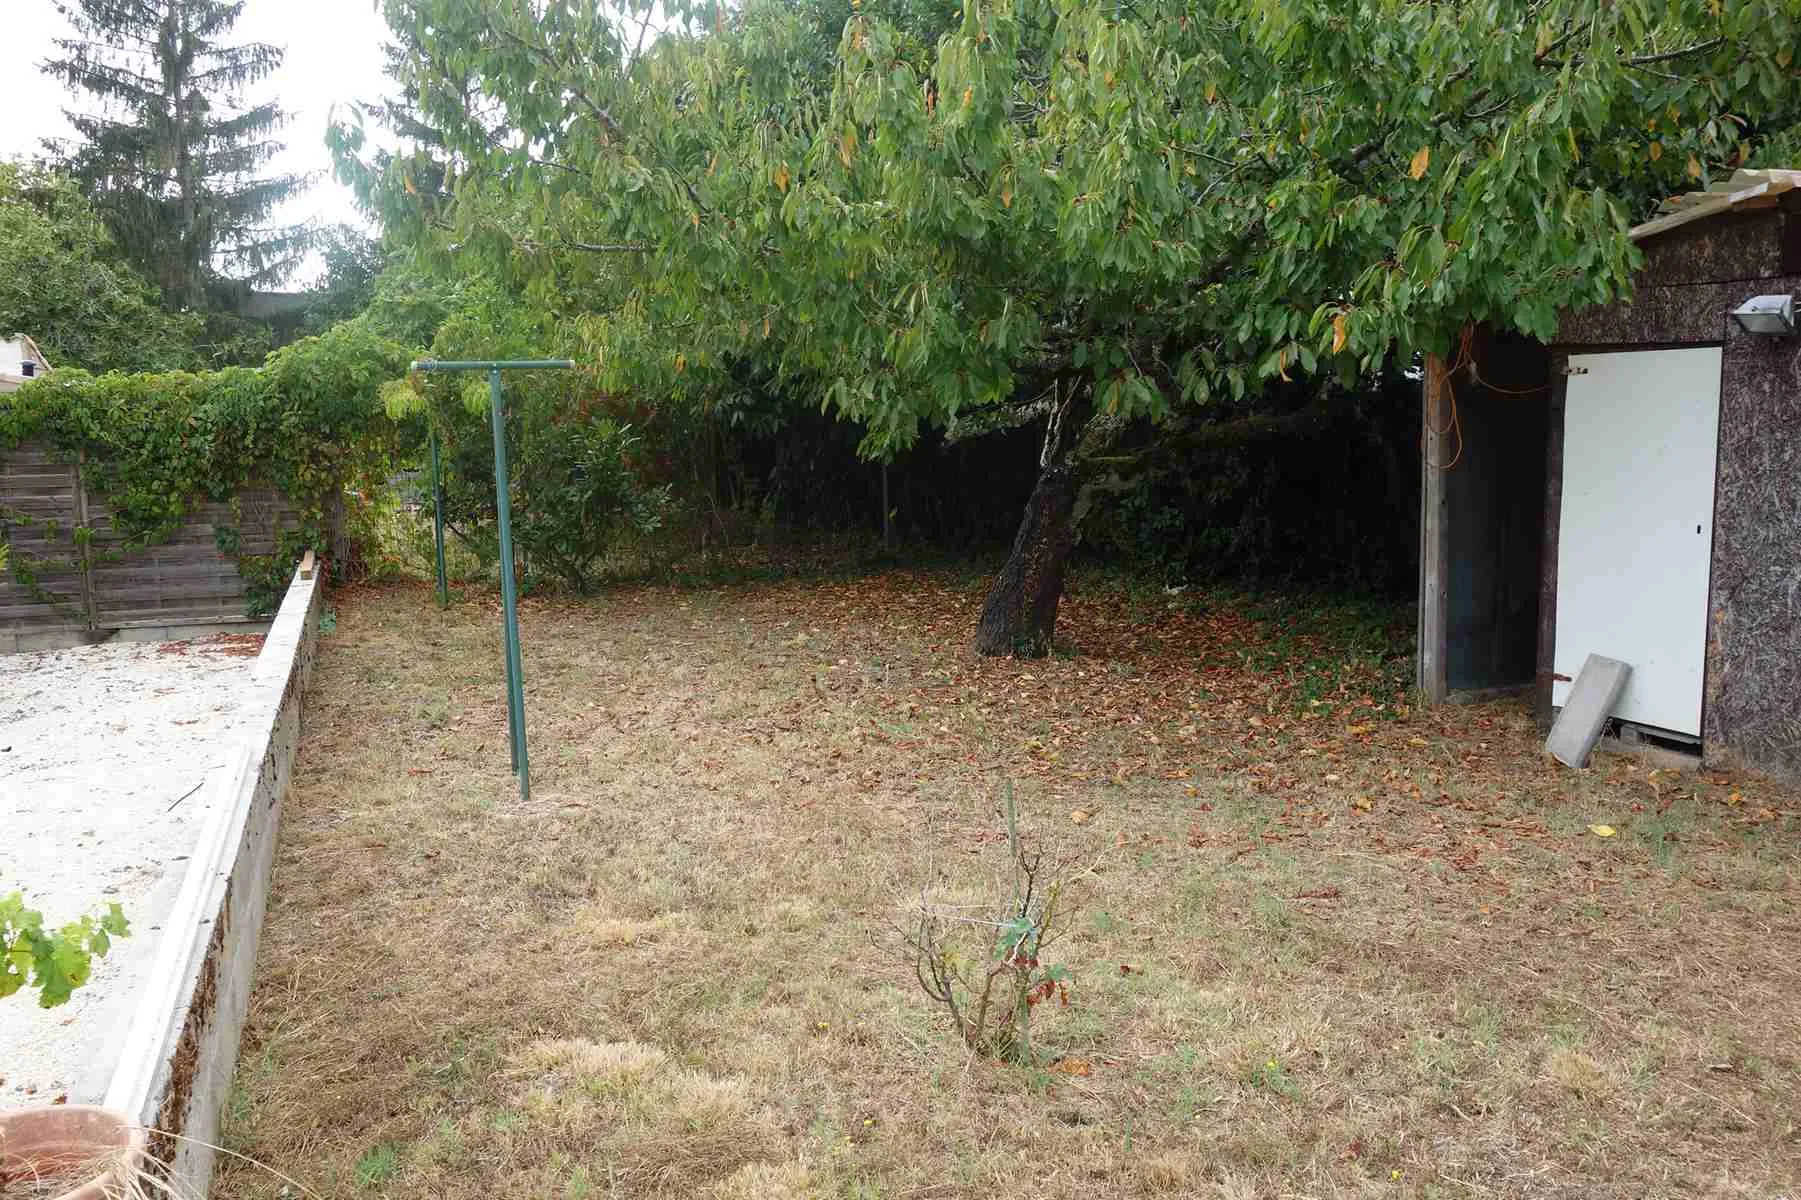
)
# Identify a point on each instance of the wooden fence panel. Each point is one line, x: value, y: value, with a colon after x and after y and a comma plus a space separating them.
x: 39, y: 512
x: 185, y: 580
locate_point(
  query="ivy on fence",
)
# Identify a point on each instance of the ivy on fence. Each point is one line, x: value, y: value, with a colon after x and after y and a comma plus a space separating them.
x: 308, y: 423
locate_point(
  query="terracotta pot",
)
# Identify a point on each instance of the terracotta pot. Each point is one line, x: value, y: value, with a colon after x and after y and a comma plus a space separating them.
x: 65, y: 1138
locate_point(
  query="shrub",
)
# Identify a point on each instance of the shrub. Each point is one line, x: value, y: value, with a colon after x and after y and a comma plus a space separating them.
x: 985, y: 961
x: 575, y: 483
x: 576, y: 491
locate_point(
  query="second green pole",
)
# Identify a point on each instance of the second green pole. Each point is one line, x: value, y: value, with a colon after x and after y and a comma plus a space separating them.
x: 509, y: 588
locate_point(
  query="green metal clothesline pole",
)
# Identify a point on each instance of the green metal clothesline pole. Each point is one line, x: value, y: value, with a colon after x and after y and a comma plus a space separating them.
x: 503, y: 504
x: 509, y: 588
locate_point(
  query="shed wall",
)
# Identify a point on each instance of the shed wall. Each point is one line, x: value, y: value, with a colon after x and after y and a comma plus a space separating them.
x: 1752, y: 711
x: 1692, y: 278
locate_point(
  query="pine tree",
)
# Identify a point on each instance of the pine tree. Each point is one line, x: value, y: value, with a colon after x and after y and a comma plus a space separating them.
x: 171, y: 156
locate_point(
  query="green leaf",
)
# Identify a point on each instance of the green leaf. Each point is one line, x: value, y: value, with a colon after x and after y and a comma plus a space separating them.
x: 56, y: 962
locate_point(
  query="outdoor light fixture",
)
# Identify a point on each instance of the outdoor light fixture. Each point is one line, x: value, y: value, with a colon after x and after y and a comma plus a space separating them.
x: 1774, y: 315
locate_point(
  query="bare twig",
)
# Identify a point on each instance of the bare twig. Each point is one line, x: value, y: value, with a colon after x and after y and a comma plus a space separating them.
x: 184, y: 796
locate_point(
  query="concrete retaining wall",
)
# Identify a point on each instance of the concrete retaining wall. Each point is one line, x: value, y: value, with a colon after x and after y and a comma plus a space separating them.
x: 175, y: 1071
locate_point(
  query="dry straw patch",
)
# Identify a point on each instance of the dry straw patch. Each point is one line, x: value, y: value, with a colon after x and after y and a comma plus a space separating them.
x: 1330, y: 951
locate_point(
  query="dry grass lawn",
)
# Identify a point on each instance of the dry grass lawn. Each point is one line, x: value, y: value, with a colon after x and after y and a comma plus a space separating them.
x: 1334, y: 947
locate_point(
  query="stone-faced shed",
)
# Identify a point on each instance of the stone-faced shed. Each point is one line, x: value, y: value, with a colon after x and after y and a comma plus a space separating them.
x: 1634, y: 490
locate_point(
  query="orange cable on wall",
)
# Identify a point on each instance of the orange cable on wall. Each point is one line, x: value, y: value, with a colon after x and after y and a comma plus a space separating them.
x: 1441, y: 396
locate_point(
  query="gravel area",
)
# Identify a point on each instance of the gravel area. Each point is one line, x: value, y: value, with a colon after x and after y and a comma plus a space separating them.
x: 104, y: 754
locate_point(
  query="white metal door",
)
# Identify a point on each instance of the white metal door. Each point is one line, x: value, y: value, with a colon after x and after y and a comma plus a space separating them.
x: 1640, y: 443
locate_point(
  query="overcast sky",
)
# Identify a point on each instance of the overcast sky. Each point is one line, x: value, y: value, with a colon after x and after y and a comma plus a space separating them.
x: 333, y: 55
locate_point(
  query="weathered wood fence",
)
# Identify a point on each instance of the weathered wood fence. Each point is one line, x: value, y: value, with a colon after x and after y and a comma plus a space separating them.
x: 64, y: 587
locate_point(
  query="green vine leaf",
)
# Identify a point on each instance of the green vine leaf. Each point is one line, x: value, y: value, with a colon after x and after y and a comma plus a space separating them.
x: 53, y: 962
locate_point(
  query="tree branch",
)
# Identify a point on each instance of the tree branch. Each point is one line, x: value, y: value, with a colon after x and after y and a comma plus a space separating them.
x: 585, y: 247
x: 1115, y: 472
x: 1646, y: 60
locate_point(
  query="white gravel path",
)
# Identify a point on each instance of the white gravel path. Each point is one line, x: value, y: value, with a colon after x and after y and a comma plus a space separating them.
x: 101, y: 748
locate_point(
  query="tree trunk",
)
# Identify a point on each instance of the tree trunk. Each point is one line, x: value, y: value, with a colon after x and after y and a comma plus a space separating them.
x: 1020, y: 615
x: 181, y: 287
